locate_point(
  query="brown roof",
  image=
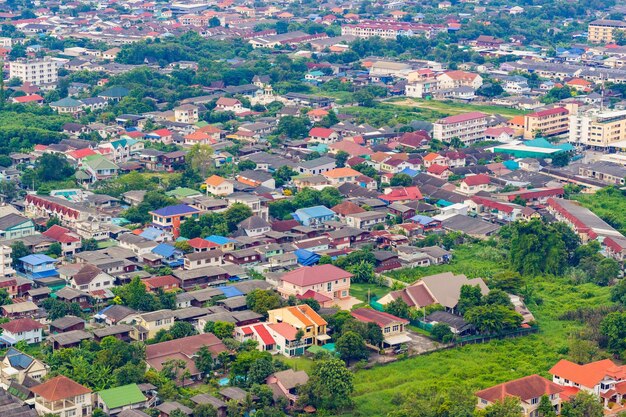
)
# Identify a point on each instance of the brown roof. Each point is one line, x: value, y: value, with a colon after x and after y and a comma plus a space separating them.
x: 420, y: 295
x: 58, y: 388
x: 527, y: 388
x: 86, y: 274
x: 312, y: 275
x: 21, y: 325
x: 381, y: 318
x: 347, y: 207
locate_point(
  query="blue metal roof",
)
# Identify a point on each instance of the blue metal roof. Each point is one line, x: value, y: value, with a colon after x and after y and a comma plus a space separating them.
x: 18, y: 359
x: 306, y: 257
x: 44, y: 274
x: 176, y: 210
x: 230, y: 291
x: 151, y: 233
x: 315, y: 211
x: 421, y: 219
x: 164, y: 250
x: 37, y: 259
x: 220, y: 240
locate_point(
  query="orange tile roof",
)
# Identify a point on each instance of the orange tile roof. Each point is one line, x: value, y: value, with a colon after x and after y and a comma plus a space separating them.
x: 517, y: 120
x: 431, y: 156
x: 588, y: 375
x: 214, y: 180
x: 307, y: 315
x: 59, y: 388
x: 342, y: 172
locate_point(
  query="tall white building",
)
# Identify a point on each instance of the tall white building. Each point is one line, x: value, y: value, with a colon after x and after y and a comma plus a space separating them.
x: 598, y: 129
x: 38, y: 71
x: 5, y: 262
x: 468, y: 127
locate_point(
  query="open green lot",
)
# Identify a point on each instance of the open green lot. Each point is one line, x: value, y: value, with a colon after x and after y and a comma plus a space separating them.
x: 360, y: 291
x: 450, y: 108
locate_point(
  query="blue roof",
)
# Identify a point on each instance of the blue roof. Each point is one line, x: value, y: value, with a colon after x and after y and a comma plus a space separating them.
x: 315, y: 211
x: 230, y: 291
x: 410, y: 172
x: 165, y: 250
x: 37, y: 259
x: 18, y: 359
x: 306, y: 257
x: 421, y: 219
x: 151, y: 233
x: 176, y: 210
x: 44, y: 274
x: 220, y: 240
x: 511, y: 164
x: 543, y: 143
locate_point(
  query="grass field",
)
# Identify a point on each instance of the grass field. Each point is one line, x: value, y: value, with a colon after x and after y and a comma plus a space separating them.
x: 379, y: 390
x: 474, y: 260
x: 359, y: 290
x: 609, y: 204
x: 449, y: 107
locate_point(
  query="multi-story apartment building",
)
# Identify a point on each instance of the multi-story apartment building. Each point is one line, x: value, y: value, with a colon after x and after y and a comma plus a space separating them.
x: 421, y: 88
x: 546, y: 122
x: 6, y: 270
x: 598, y: 129
x: 187, y: 113
x: 39, y: 71
x: 602, y: 31
x: 391, y: 30
x: 469, y: 127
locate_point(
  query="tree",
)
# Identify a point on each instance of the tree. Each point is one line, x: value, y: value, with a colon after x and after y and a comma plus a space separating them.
x: 471, y: 296
x: 135, y: 296
x: 538, y: 248
x: 57, y: 309
x: 401, y: 180
x: 53, y: 167
x: 18, y: 250
x: 223, y: 329
x: 204, y: 360
x: 204, y: 410
x: 200, y: 159
x: 242, y: 366
x: 260, y: 301
x: 493, y: 319
x: 498, y: 297
x: 561, y: 159
x: 340, y: 158
x: 246, y: 165
x: 182, y: 329
x: 283, y: 175
x: 508, y: 281
x: 490, y: 90
x: 584, y: 404
x: 398, y: 308
x: 260, y: 370
x: 362, y: 271
x: 5, y: 298
x: 613, y: 327
x: 441, y: 332
x: 330, y: 386
x: 88, y: 245
x: 545, y: 408
x: 235, y: 214
x: 292, y: 127
x: 364, y: 98
x: 509, y: 407
x: 351, y: 346
x: 52, y: 221
x: 55, y: 250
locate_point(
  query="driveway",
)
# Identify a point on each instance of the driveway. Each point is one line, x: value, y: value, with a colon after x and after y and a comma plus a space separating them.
x: 421, y: 344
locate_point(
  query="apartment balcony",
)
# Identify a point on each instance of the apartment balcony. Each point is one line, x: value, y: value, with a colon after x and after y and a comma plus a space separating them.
x: 55, y: 406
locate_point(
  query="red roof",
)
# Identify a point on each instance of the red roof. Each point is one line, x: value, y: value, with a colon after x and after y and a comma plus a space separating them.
x: 60, y: 234
x: 533, y: 386
x: 162, y: 132
x: 381, y: 318
x: 402, y: 193
x: 28, y: 99
x: 321, y: 132
x: 588, y: 375
x: 313, y: 275
x: 265, y: 336
x: 459, y: 118
x: 199, y: 243
x: 82, y: 153
x: 59, y: 388
x: 478, y: 179
x: 549, y: 112
x: 161, y: 281
x: 320, y: 298
x: 21, y: 325
x: 436, y: 169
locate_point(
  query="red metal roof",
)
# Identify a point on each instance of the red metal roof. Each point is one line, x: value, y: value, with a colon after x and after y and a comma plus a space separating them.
x: 265, y: 336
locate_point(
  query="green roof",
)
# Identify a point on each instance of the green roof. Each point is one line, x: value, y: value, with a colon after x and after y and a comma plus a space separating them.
x: 121, y: 396
x: 182, y: 192
x: 66, y: 102
x: 99, y: 162
x: 114, y: 92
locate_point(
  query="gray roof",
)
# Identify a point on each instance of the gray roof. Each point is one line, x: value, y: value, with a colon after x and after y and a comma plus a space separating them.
x: 446, y: 287
x: 112, y: 330
x: 208, y: 399
x: 12, y: 220
x: 470, y: 225
x: 158, y: 315
x: 70, y: 338
x: 291, y: 379
x: 67, y: 321
x: 314, y: 163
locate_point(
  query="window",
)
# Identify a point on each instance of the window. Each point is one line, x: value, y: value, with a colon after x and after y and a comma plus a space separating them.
x: 534, y: 400
x: 329, y: 286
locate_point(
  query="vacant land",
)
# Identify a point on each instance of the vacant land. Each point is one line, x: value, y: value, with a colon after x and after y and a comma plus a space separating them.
x: 450, y: 108
x: 360, y: 291
x: 380, y: 389
x: 608, y: 203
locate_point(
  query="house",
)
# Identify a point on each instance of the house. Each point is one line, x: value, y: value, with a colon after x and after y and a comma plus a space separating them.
x: 259, y: 332
x: 366, y: 220
x: 603, y: 378
x: 338, y: 176
x: 285, y: 384
x: 171, y: 217
x: 443, y: 289
x: 62, y: 396
x: 255, y: 178
x: 328, y: 284
x: 25, y: 329
x: 18, y: 310
x: 247, y: 257
x: 314, y: 216
x: 70, y: 242
x: 217, y: 185
x: 91, y: 278
x: 300, y: 317
x: 393, y: 328
x: 187, y: 113
x: 185, y: 349
x: 456, y: 78
x: 165, y: 283
x: 148, y: 324
x: 203, y: 259
x: 69, y: 339
x: 473, y: 184
x: 126, y: 397
x: 323, y: 135
x: 67, y: 324
x: 14, y: 226
x: 17, y: 366
x: 228, y: 104
x: 37, y: 266
x: 254, y: 226
x: 528, y: 390
x: 316, y: 166
x: 401, y: 195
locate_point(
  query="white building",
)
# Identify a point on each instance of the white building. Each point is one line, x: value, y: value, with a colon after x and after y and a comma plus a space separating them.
x: 26, y: 329
x: 469, y: 127
x: 6, y: 270
x: 39, y: 71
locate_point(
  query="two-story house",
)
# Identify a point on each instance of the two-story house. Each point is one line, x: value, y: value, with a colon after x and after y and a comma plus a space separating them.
x: 217, y: 185
x: 314, y: 216
x: 171, y: 217
x: 63, y: 397
x: 473, y: 184
x: 326, y: 283
x: 302, y: 318
x: 38, y: 266
x: 366, y: 220
x: 528, y: 390
x: 393, y: 328
x: 21, y: 330
x: 70, y: 242
x: 202, y: 259
x: 14, y: 226
x: 91, y: 278
x: 148, y: 324
x: 17, y: 366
